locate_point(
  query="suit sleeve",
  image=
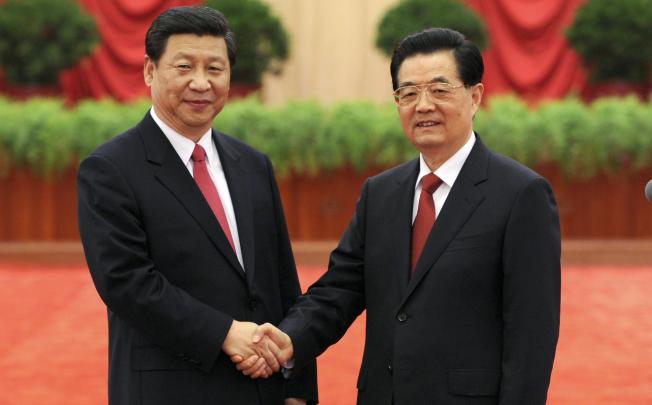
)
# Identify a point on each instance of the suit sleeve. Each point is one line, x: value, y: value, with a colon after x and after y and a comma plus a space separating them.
x: 115, y: 244
x: 531, y: 295
x: 322, y: 315
x: 302, y: 382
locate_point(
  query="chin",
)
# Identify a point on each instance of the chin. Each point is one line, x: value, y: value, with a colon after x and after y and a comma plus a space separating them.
x: 197, y: 122
x: 201, y: 117
x: 428, y: 140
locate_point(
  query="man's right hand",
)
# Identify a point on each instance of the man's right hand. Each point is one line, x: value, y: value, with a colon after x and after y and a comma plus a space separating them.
x: 272, y: 344
x: 239, y: 344
x: 276, y: 343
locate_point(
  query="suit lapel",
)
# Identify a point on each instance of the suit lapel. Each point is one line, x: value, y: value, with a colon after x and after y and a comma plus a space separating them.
x: 461, y: 202
x: 174, y: 176
x: 400, y: 205
x: 241, y: 197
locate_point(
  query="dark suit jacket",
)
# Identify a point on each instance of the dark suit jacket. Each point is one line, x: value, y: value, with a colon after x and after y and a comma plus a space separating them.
x: 170, y: 280
x: 478, y: 321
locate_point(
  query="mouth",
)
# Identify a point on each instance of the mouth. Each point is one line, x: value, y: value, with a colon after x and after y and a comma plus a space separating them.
x: 198, y: 103
x: 427, y: 123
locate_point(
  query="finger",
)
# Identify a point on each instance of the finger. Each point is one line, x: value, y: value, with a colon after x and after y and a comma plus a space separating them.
x: 269, y: 353
x: 280, y: 338
x: 263, y: 372
x: 282, y: 355
x: 251, y: 371
x: 248, y: 363
x: 268, y: 372
x: 236, y: 358
x: 262, y: 330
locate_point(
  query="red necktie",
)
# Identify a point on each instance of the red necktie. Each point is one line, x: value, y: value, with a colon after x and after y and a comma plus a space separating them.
x: 425, y: 218
x: 207, y: 187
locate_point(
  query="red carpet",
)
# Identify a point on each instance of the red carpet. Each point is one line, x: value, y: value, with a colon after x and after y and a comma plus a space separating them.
x: 53, y: 339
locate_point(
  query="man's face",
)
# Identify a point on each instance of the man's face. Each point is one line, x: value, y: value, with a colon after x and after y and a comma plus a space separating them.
x: 190, y: 83
x: 437, y: 128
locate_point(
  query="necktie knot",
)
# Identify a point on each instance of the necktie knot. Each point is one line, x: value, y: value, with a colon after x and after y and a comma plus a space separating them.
x: 198, y: 154
x: 430, y: 183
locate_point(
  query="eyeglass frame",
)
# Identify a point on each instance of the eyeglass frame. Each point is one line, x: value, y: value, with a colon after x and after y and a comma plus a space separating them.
x: 420, y: 87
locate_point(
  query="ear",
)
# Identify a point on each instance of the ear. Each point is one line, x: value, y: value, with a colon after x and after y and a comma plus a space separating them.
x: 148, y: 71
x: 476, y: 97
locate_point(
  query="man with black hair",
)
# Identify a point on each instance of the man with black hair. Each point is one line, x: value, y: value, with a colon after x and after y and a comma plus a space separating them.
x: 185, y: 236
x: 454, y: 255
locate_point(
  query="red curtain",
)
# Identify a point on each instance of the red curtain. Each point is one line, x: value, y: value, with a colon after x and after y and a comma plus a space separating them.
x: 528, y: 54
x: 116, y: 68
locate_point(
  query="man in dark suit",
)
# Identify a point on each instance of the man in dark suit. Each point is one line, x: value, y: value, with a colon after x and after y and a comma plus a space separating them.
x: 454, y: 255
x: 185, y: 236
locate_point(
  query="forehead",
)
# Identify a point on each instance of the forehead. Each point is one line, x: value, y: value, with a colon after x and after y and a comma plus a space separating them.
x: 426, y: 67
x: 191, y: 44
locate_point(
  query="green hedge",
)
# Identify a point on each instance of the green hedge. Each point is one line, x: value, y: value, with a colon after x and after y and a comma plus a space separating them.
x: 306, y: 137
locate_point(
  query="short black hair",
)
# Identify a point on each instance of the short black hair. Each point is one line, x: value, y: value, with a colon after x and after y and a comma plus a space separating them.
x: 198, y: 20
x: 468, y: 58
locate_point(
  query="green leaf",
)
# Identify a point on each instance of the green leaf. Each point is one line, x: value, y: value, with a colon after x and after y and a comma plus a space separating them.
x: 410, y: 16
x: 40, y: 38
x: 612, y: 37
x: 305, y: 137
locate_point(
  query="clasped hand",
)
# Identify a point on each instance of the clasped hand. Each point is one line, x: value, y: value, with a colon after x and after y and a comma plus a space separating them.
x: 258, y: 351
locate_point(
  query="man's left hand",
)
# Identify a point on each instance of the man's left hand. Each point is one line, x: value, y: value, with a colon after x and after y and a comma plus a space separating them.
x: 295, y: 401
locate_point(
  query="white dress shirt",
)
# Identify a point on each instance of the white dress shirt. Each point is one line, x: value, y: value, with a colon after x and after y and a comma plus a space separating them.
x: 184, y: 147
x: 447, y: 172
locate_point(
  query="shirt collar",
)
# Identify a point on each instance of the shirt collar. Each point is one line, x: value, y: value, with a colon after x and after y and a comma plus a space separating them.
x: 184, y: 146
x: 451, y: 168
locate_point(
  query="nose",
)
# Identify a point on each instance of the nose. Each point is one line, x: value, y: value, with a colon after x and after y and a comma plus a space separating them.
x: 199, y: 82
x: 424, y: 104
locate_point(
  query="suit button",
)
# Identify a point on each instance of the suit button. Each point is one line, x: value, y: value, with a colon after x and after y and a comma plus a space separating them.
x: 252, y: 304
x: 389, y: 368
x: 402, y: 317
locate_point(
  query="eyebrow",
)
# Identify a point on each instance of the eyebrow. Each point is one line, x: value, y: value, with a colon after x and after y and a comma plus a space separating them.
x: 436, y: 79
x: 182, y: 54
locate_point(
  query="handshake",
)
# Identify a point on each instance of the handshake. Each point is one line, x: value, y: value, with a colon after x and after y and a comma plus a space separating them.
x: 257, y: 350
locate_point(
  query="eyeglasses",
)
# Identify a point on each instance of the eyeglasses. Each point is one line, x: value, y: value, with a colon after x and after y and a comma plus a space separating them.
x: 407, y: 96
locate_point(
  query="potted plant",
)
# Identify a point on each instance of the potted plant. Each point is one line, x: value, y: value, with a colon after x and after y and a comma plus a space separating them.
x: 410, y: 16
x: 39, y: 39
x: 261, y: 38
x: 612, y: 38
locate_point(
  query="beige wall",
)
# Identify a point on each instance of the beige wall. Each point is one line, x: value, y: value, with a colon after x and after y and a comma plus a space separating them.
x: 333, y: 56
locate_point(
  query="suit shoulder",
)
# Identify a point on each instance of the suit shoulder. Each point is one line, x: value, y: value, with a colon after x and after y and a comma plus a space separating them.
x: 511, y: 179
x: 121, y: 146
x: 240, y: 146
x: 511, y: 171
x: 397, y: 172
x: 254, y: 159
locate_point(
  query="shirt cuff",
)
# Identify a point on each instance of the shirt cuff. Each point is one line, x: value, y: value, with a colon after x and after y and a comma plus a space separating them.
x: 286, y: 370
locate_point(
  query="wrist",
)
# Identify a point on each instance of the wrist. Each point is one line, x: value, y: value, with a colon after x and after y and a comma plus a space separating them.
x: 229, y: 334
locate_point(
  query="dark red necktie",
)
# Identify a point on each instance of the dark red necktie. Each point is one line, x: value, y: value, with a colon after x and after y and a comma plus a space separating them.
x: 207, y: 187
x: 425, y: 218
